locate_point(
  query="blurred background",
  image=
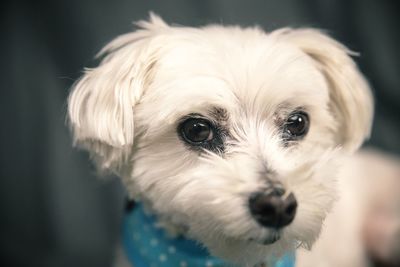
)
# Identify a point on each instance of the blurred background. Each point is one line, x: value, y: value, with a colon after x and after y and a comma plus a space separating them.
x: 54, y: 212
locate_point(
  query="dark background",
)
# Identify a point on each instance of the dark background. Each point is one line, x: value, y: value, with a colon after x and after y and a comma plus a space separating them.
x: 53, y: 211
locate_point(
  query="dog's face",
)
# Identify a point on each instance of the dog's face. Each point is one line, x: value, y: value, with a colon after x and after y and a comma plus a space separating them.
x: 230, y: 135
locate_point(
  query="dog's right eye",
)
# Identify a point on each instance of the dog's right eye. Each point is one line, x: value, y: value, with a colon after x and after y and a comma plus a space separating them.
x: 196, y: 131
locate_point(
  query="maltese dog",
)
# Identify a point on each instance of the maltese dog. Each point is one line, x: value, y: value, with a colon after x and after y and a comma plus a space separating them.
x: 229, y: 136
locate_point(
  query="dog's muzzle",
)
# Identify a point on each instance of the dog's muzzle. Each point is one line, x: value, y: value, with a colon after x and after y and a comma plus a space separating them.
x: 273, y: 209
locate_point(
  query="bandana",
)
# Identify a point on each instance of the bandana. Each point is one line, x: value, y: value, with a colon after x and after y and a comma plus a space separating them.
x: 147, y: 245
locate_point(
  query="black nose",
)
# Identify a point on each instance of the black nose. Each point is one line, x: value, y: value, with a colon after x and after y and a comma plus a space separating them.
x: 273, y: 209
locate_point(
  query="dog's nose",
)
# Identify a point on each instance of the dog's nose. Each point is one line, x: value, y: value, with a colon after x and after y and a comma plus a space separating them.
x: 273, y: 209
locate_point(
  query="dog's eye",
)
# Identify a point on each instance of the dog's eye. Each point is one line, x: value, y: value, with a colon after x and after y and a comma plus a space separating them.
x: 296, y: 126
x: 196, y: 131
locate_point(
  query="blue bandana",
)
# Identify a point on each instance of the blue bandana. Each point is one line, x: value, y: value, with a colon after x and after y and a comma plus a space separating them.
x: 148, y: 246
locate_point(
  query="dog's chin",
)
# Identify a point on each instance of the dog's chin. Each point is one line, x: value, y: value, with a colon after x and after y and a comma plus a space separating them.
x: 255, y: 235
x: 246, y: 250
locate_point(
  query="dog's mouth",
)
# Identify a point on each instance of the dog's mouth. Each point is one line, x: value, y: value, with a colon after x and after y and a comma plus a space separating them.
x: 270, y: 238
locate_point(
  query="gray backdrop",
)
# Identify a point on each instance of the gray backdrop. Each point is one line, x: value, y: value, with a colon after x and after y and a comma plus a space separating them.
x: 54, y: 212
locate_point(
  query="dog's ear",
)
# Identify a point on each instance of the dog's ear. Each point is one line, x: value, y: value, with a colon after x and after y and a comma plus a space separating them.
x: 350, y: 96
x: 101, y: 104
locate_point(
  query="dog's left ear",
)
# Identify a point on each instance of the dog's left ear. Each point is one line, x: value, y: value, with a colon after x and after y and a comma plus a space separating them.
x: 350, y: 96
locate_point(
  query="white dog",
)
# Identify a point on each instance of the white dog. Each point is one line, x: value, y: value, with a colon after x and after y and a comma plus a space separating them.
x: 232, y: 137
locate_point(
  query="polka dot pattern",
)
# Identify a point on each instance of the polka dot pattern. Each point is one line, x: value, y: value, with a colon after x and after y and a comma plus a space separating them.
x: 147, y: 245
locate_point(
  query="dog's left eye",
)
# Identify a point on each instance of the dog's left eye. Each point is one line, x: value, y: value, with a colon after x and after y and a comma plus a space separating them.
x: 196, y: 131
x: 296, y: 126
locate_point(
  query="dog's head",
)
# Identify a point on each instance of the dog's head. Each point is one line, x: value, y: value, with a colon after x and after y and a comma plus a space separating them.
x: 231, y: 134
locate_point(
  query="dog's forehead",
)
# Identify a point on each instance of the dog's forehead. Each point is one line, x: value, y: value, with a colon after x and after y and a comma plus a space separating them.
x: 234, y: 68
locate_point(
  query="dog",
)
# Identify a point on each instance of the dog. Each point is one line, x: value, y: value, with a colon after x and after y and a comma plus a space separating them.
x: 363, y: 228
x: 229, y: 136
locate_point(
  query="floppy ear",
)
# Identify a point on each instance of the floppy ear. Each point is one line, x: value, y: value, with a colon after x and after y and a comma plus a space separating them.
x: 350, y: 96
x: 101, y: 104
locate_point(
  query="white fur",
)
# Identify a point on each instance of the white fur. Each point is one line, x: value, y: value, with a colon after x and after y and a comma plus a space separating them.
x: 365, y: 221
x: 125, y: 113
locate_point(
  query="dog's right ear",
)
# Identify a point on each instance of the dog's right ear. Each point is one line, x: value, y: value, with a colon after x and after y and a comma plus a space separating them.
x: 101, y: 104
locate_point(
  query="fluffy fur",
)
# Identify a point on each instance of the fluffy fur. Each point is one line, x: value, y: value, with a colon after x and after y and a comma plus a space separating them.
x: 125, y: 112
x: 364, y: 223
